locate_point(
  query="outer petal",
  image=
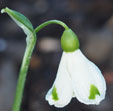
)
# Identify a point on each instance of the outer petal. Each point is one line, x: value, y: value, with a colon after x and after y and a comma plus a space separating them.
x: 84, y: 73
x: 61, y: 87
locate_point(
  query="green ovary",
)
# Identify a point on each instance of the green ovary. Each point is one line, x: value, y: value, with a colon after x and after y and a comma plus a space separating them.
x: 55, y: 94
x: 93, y: 92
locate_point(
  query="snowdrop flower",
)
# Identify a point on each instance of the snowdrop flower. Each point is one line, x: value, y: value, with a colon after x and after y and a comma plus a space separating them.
x: 76, y: 77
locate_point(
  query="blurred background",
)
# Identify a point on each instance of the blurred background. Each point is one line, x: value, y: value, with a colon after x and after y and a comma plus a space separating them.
x: 91, y: 20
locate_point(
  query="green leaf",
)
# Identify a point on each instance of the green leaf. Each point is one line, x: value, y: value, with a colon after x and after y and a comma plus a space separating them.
x: 93, y: 92
x: 54, y: 94
x: 20, y: 19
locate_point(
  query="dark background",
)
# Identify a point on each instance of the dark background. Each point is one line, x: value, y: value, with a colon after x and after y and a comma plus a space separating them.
x: 91, y: 20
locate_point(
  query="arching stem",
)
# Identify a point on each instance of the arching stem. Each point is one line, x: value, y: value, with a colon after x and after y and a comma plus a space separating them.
x: 51, y: 22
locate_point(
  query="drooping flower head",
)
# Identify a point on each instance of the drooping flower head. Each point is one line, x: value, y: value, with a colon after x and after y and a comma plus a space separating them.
x: 76, y: 77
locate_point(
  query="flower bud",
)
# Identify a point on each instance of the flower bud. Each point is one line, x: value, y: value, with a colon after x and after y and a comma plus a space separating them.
x: 69, y: 41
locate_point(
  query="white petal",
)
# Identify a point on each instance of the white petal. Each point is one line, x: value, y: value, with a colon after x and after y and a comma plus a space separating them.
x: 62, y: 85
x: 84, y: 73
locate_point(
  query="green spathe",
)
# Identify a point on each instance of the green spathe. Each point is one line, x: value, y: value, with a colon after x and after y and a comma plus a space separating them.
x: 93, y: 92
x: 27, y: 27
x: 23, y: 22
x: 18, y: 17
x: 69, y: 41
x: 55, y: 94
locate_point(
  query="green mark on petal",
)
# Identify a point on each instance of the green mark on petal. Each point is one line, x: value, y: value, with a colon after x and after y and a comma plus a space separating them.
x: 93, y: 92
x: 54, y: 94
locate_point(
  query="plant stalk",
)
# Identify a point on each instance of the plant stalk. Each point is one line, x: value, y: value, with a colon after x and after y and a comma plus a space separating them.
x: 38, y: 28
x: 26, y: 61
x: 23, y: 74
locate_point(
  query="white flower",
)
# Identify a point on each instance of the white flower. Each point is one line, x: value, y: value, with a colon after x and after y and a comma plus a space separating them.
x: 77, y: 77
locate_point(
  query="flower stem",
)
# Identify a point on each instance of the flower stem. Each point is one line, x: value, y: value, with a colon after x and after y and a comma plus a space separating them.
x: 26, y: 61
x: 23, y: 74
x: 51, y: 22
